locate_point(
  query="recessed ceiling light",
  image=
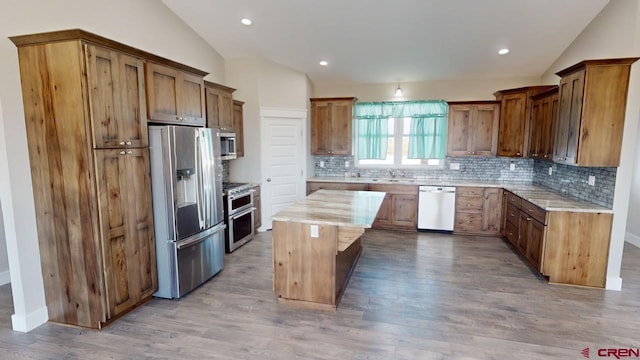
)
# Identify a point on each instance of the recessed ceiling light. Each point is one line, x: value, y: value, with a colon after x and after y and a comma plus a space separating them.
x: 246, y: 21
x: 323, y: 63
x: 503, y: 51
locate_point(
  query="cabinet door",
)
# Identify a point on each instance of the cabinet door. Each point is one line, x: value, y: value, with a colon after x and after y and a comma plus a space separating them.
x: 212, y: 98
x: 513, y: 113
x: 537, y: 119
x: 341, y: 134
x: 492, y: 211
x: 162, y: 93
x: 116, y: 98
x: 238, y: 127
x: 383, y: 219
x: 570, y: 112
x: 140, y: 218
x: 547, y: 126
x: 405, y: 210
x: 522, y: 233
x: 126, y: 219
x: 227, y: 108
x: 484, y: 130
x: 257, y: 215
x: 459, y: 140
x: 191, y: 99
x: 320, y: 128
x: 535, y: 241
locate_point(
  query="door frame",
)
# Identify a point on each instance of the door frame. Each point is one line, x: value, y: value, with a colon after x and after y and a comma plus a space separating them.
x: 294, y: 115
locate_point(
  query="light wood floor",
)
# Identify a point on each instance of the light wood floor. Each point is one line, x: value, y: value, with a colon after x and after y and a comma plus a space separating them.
x: 412, y: 296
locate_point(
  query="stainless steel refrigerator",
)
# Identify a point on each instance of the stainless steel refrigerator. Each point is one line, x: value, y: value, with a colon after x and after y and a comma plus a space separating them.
x: 186, y: 181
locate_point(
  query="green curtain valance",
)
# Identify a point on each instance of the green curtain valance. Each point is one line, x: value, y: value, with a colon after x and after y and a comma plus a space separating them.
x: 413, y: 109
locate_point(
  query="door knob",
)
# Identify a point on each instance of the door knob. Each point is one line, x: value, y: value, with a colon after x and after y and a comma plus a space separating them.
x: 268, y: 179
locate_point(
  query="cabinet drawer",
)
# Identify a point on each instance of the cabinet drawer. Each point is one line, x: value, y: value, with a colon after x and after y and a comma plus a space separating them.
x: 511, y: 232
x: 468, y: 203
x: 468, y: 222
x: 514, y: 200
x: 462, y: 191
x: 513, y: 213
x: 534, y: 211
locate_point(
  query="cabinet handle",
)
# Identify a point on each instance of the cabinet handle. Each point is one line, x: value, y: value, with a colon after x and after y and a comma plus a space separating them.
x: 122, y: 143
x: 122, y: 153
x: 473, y: 153
x: 129, y: 143
x: 546, y: 155
x: 468, y: 152
x: 518, y: 154
x: 129, y: 152
x: 528, y: 219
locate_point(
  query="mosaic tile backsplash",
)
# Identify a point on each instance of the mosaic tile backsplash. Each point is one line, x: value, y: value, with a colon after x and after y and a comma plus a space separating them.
x: 574, y: 181
x: 471, y: 168
x: 570, y: 180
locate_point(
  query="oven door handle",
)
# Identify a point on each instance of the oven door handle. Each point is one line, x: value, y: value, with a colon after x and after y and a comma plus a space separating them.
x: 248, y: 211
x: 233, y: 197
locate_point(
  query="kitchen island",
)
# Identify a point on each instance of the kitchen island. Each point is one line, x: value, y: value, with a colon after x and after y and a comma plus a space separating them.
x: 317, y: 243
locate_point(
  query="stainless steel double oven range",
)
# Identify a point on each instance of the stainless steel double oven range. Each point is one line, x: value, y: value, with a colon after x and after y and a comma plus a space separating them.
x: 239, y: 214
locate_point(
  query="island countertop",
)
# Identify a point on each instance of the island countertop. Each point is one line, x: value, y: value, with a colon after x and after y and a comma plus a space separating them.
x: 335, y: 207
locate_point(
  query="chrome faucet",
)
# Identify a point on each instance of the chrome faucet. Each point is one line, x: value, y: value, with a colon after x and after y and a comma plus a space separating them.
x: 391, y: 173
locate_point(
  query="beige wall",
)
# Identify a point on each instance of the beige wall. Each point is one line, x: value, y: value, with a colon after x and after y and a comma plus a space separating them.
x: 262, y: 84
x: 451, y: 90
x: 615, y: 33
x: 145, y: 24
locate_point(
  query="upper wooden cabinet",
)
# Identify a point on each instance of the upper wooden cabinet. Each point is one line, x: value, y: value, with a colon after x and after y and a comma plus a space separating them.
x: 593, y: 99
x: 174, y: 96
x: 331, y: 126
x: 515, y: 114
x: 544, y: 115
x: 116, y: 98
x: 473, y: 128
x: 84, y: 105
x: 238, y: 126
x: 219, y: 105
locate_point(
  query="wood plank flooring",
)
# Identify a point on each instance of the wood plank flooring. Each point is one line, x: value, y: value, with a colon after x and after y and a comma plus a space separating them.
x: 411, y: 296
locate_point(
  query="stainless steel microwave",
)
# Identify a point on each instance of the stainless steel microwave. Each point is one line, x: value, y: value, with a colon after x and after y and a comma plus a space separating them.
x: 228, y: 146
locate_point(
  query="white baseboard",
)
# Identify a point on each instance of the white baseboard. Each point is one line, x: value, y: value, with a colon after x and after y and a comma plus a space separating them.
x: 614, y: 283
x: 632, y: 239
x: 4, y: 278
x: 30, y: 321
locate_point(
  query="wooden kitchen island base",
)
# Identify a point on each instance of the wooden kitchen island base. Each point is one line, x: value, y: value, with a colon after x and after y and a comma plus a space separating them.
x: 315, y: 253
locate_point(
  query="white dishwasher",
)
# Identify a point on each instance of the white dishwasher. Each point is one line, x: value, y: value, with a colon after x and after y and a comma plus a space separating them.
x: 436, y: 207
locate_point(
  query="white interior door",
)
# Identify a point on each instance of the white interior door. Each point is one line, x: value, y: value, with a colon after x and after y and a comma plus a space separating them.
x: 283, y: 161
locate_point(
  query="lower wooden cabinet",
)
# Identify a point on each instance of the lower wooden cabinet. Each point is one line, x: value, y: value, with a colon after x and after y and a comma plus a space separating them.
x: 313, y: 186
x: 478, y: 211
x: 567, y: 247
x: 399, y: 209
x: 126, y: 225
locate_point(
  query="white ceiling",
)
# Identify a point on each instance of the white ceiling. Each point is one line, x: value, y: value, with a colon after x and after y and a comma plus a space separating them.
x: 382, y: 41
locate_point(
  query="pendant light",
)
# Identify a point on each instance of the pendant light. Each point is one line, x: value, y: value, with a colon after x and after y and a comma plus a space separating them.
x: 398, y: 91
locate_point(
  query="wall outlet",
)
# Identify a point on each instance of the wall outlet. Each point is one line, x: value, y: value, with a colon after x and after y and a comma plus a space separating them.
x: 314, y: 231
x: 322, y: 164
x: 346, y: 163
x: 550, y: 170
x: 592, y: 180
x: 454, y: 166
x: 512, y: 166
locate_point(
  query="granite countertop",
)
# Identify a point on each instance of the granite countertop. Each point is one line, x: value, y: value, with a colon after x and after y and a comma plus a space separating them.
x: 335, y: 207
x: 547, y: 199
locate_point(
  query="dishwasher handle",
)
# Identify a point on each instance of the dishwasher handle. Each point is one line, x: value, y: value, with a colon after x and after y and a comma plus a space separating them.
x: 435, y: 190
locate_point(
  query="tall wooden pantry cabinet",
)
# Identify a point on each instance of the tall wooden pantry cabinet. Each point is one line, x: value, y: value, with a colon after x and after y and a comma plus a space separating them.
x: 86, y: 118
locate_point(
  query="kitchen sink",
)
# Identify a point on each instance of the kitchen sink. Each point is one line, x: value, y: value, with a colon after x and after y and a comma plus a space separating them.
x: 393, y: 180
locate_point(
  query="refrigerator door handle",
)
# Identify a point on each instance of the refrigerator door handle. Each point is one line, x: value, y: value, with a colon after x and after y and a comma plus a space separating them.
x: 199, y: 180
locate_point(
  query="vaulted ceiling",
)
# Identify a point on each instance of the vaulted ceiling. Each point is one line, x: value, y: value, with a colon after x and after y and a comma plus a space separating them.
x: 376, y: 41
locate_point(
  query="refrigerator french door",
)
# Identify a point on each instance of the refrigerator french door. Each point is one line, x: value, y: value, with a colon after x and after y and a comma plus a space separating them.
x: 186, y: 181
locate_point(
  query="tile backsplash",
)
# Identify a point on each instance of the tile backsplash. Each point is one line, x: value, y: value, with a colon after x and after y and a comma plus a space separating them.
x: 574, y: 181
x: 225, y: 170
x: 569, y: 180
x: 471, y: 168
